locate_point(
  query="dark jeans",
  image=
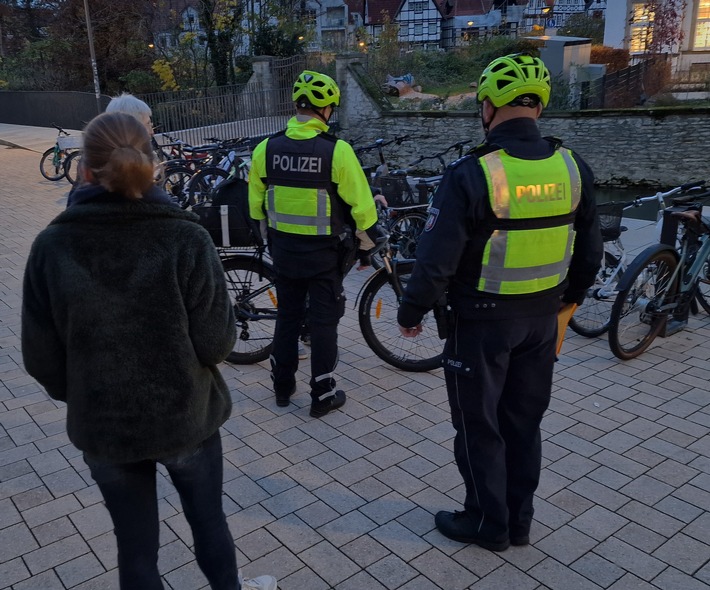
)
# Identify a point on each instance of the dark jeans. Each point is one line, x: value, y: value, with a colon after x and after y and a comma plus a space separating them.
x: 499, y: 380
x: 129, y: 490
x: 326, y: 305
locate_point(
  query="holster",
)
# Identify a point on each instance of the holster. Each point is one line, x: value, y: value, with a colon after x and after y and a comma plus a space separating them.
x: 443, y: 317
x: 346, y: 250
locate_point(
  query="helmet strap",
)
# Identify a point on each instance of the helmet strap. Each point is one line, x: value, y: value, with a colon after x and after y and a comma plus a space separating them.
x: 487, y: 124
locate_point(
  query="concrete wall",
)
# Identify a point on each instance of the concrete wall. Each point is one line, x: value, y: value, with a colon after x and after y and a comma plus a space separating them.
x: 663, y: 146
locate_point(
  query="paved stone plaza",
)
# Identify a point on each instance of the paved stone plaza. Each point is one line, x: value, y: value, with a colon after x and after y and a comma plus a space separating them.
x: 347, y: 502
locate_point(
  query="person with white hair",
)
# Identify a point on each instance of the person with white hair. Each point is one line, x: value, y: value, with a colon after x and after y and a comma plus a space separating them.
x: 130, y: 105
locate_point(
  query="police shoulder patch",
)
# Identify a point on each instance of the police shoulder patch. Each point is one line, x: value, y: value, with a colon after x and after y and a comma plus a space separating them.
x: 431, y: 220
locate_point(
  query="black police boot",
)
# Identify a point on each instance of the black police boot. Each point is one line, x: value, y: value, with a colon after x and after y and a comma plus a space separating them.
x: 284, y: 399
x: 459, y: 527
x: 327, y: 403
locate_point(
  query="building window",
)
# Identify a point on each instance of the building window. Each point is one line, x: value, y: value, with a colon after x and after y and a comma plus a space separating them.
x: 432, y: 29
x: 417, y: 6
x: 702, y: 26
x: 418, y: 30
x: 641, y: 29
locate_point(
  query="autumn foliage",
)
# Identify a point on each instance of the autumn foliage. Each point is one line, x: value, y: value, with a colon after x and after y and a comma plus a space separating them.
x: 614, y: 59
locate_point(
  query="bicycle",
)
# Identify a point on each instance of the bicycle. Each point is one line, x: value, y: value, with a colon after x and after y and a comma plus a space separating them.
x: 379, y: 299
x: 663, y: 284
x: 51, y: 164
x: 250, y: 283
x: 592, y: 317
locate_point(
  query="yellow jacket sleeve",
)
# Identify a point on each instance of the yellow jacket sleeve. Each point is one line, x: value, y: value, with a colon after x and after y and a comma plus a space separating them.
x: 257, y: 188
x: 353, y: 186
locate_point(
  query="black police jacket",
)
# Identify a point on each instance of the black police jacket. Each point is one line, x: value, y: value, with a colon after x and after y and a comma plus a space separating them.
x: 450, y: 250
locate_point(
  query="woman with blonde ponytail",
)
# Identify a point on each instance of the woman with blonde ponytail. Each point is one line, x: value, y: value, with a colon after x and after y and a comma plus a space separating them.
x: 125, y: 318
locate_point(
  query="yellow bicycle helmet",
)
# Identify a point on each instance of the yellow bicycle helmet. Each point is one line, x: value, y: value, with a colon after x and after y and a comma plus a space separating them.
x: 511, y: 76
x: 313, y: 89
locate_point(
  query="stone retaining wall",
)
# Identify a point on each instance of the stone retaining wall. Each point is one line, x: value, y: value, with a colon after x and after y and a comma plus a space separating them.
x: 663, y: 146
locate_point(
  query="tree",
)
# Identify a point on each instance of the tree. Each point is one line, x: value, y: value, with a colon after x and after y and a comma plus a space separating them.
x: 667, y: 31
x: 582, y: 25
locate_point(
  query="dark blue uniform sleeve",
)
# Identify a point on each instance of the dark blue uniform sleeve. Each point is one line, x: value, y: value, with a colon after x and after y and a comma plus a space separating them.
x: 588, y: 244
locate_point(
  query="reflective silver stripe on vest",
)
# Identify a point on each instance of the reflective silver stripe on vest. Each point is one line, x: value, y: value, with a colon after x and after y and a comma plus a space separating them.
x: 500, y: 188
x: 497, y: 275
x: 321, y: 221
x: 574, y: 177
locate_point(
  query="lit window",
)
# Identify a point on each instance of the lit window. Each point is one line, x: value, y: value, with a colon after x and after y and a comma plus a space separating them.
x: 702, y: 26
x: 641, y: 29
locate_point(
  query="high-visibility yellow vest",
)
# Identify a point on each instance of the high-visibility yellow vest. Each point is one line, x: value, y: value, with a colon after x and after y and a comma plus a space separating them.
x: 534, y: 204
x: 298, y: 173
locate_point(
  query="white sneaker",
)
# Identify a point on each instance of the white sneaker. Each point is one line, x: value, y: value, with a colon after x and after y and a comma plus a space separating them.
x: 302, y: 353
x: 260, y: 583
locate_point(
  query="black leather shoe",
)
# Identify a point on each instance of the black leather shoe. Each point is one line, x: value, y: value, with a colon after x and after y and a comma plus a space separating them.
x: 459, y: 527
x: 284, y: 399
x: 333, y: 402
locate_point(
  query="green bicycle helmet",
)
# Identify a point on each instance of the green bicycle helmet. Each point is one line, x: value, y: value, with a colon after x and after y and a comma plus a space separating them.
x: 511, y: 76
x: 313, y: 89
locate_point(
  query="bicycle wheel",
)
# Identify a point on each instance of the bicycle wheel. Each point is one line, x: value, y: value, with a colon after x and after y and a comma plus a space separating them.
x: 203, y: 182
x: 51, y: 165
x: 592, y: 317
x: 175, y: 181
x: 250, y: 282
x: 702, y: 294
x: 640, y: 310
x: 404, y: 231
x: 71, y: 167
x: 377, y: 315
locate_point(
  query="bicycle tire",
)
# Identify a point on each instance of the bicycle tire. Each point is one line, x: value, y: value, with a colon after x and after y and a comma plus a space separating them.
x: 175, y: 181
x: 250, y: 282
x: 592, y: 317
x: 71, y: 167
x: 405, y: 230
x: 203, y: 183
x: 51, y: 168
x: 702, y: 293
x: 377, y: 316
x: 637, y: 315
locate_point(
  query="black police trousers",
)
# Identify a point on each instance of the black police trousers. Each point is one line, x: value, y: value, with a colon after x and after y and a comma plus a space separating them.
x: 326, y: 305
x: 499, y: 381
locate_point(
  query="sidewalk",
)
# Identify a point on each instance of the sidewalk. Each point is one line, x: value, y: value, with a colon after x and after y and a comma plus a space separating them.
x: 347, y: 502
x: 36, y: 139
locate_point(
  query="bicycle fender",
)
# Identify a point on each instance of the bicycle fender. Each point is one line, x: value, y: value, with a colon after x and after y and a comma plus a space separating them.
x: 630, y: 271
x: 366, y: 283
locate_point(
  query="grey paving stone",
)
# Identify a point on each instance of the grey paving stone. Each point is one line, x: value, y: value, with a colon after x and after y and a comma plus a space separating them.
x: 629, y: 558
x: 684, y: 553
x: 12, y: 572
x: 391, y: 572
x: 370, y: 489
x: 347, y: 528
x: 55, y: 554
x: 364, y: 551
x: 598, y: 523
x: 321, y: 557
x: 672, y: 578
x: 360, y: 580
x: 556, y: 577
x: 78, y: 570
x: 566, y: 544
x: 640, y: 537
x: 444, y: 571
x: 597, y: 569
x: 45, y: 580
x: 339, y: 498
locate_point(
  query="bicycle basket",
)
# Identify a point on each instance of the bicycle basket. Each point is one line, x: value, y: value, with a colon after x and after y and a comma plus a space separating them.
x: 70, y: 142
x: 226, y: 217
x: 610, y: 215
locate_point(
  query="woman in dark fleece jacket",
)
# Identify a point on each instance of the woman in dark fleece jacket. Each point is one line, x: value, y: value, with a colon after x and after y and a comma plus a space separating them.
x: 125, y: 317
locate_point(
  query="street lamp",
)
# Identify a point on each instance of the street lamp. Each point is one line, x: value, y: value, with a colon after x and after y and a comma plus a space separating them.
x: 92, y: 53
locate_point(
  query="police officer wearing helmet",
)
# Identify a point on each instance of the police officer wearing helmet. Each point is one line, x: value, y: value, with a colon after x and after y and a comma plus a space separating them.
x: 313, y: 194
x: 517, y: 220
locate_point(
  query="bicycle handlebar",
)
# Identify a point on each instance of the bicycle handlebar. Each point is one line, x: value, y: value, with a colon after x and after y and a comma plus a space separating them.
x: 58, y: 128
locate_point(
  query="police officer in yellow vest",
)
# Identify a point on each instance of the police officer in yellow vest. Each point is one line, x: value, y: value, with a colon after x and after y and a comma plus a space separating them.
x: 313, y: 193
x: 513, y: 235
